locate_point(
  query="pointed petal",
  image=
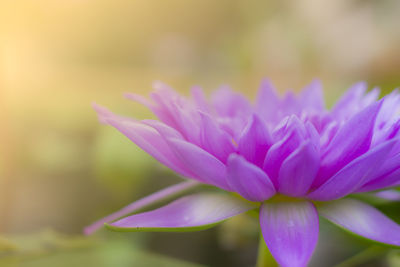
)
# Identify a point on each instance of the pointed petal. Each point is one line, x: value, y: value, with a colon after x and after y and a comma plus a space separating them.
x: 279, y: 152
x: 177, y: 112
x: 140, y: 99
x: 299, y: 170
x: 215, y: 140
x: 290, y: 104
x: 163, y: 129
x: 199, y: 99
x: 350, y: 101
x: 144, y: 136
x: 255, y: 141
x: 290, y: 230
x: 312, y: 96
x: 205, y: 166
x: 362, y: 219
x: 384, y: 176
x: 248, y: 180
x: 353, y: 175
x: 190, y: 213
x: 267, y: 101
x: 157, y: 197
x: 387, y: 181
x: 352, y: 140
x: 228, y: 103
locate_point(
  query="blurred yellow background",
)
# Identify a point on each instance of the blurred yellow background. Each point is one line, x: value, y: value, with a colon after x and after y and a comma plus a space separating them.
x: 60, y: 169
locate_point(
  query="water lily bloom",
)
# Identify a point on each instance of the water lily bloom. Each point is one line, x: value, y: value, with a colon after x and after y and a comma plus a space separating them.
x: 287, y: 157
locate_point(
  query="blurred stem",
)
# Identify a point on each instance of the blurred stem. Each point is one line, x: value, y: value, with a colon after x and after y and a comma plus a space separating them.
x: 264, y: 258
x: 364, y: 256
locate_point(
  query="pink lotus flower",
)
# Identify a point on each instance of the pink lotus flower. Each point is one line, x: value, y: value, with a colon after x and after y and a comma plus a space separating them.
x: 289, y: 157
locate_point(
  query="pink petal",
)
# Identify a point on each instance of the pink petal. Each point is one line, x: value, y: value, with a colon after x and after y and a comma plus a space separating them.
x: 312, y: 96
x: 248, y: 180
x: 350, y: 101
x: 352, y: 140
x: 255, y: 141
x: 146, y: 137
x: 205, y: 166
x: 152, y: 199
x: 362, y: 219
x: 177, y: 112
x: 390, y: 180
x: 229, y: 104
x: 214, y: 140
x: 299, y: 170
x: 190, y: 213
x: 290, y: 230
x: 267, y: 101
x: 163, y: 129
x: 279, y: 152
x: 199, y: 99
x: 353, y: 175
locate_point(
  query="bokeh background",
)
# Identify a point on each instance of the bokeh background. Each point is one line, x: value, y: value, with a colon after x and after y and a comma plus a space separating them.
x: 60, y: 169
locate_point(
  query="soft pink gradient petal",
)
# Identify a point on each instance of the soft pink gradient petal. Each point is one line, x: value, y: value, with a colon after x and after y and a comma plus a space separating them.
x: 299, y: 170
x: 268, y: 102
x: 199, y: 99
x: 312, y: 96
x: 353, y: 175
x: 228, y: 103
x: 248, y: 180
x: 164, y: 130
x: 142, y: 203
x: 214, y: 140
x: 205, y: 166
x: 362, y: 219
x: 279, y: 152
x: 290, y: 230
x: 144, y: 136
x: 177, y: 112
x: 390, y: 180
x: 349, y: 103
x: 352, y: 140
x: 255, y: 141
x: 194, y: 211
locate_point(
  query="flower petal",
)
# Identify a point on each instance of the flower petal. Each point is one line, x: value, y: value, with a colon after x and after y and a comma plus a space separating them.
x: 385, y: 176
x: 350, y: 101
x: 189, y: 213
x: 152, y: 199
x: 177, y: 112
x: 267, y: 101
x: 144, y: 136
x: 299, y: 170
x: 390, y: 180
x: 248, y: 180
x: 215, y: 140
x: 199, y: 99
x: 163, y: 129
x: 205, y: 166
x: 390, y: 195
x: 352, y: 140
x: 353, y: 175
x: 312, y: 96
x: 290, y: 230
x: 228, y: 103
x: 255, y: 141
x: 279, y: 152
x: 362, y: 219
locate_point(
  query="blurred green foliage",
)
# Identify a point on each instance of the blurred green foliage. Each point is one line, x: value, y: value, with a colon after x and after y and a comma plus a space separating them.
x: 49, y: 248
